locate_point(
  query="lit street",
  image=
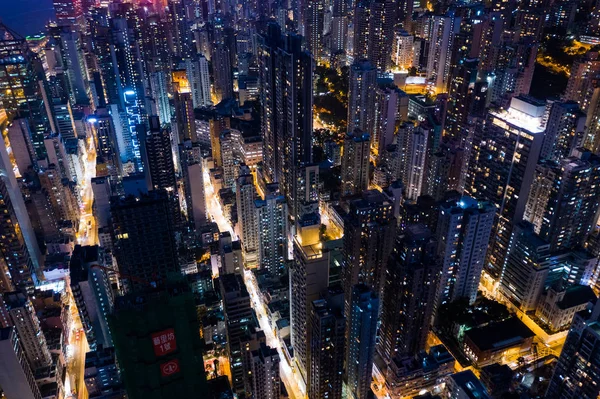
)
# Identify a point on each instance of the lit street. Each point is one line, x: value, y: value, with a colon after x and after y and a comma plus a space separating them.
x: 76, y: 355
x: 88, y: 232
x: 295, y: 387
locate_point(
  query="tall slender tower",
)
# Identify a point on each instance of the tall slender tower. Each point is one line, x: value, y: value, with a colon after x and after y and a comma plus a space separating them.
x: 503, y: 161
x: 314, y: 26
x: 361, y: 97
x: 247, y: 216
x: 363, y: 317
x: 355, y: 163
x: 18, y: 242
x: 407, y: 313
x: 578, y: 368
x: 21, y: 68
x: 326, y: 328
x: 463, y: 234
x: 286, y: 73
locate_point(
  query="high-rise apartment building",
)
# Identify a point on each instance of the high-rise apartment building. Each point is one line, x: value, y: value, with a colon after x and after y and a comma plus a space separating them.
x: 15, y: 374
x: 309, y: 276
x: 93, y: 294
x: 18, y: 243
x: 360, y: 347
x: 388, y: 100
x: 223, y: 74
x: 144, y: 238
x: 565, y: 131
x: 463, y: 233
x: 238, y: 315
x: 407, y: 312
x: 27, y: 325
x: 199, y: 79
x: 578, y: 369
x: 414, y: 146
x: 501, y: 170
x: 20, y: 85
x: 286, y: 75
x: 192, y: 169
x: 158, y: 347
x: 272, y: 233
x: 580, y: 87
x: 339, y: 27
x: 369, y: 230
x: 158, y: 157
x: 361, y: 97
x: 441, y: 37
x: 355, y: 163
x: 246, y: 196
x: 573, y: 201
x: 314, y: 27
x: 374, y: 22
x: 403, y: 53
x: 265, y: 373
x: 526, y: 267
x: 326, y: 341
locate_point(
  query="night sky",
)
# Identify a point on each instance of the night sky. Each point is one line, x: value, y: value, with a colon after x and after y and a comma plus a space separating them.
x: 26, y: 17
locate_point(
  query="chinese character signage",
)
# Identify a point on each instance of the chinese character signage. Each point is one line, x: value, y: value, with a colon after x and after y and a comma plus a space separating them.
x: 164, y: 342
x: 169, y: 368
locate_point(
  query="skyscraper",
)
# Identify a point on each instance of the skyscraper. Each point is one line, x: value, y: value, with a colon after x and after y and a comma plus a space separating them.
x: 92, y: 291
x: 18, y: 243
x: 238, y: 316
x: 326, y: 342
x: 526, y: 267
x: 20, y: 90
x: 193, y: 174
x: 15, y: 374
x: 442, y: 31
x: 144, y: 239
x: 286, y: 75
x: 158, y: 157
x: 355, y: 163
x: 463, y: 234
x: 387, y: 104
x: 265, y: 373
x: 199, y: 78
x: 503, y: 161
x: 363, y: 317
x: 272, y: 232
x: 71, y: 51
x: 415, y: 144
x: 407, y: 311
x: 123, y: 72
x: 247, y: 217
x: 68, y: 12
x: 578, y: 369
x: 223, y: 74
x: 573, y: 201
x: 314, y: 27
x: 369, y: 230
x: 158, y: 346
x: 565, y: 131
x: 309, y: 276
x: 374, y: 32
x: 27, y: 324
x: 361, y: 97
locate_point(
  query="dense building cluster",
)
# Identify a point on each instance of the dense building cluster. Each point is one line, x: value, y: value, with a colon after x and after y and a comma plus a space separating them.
x: 317, y: 199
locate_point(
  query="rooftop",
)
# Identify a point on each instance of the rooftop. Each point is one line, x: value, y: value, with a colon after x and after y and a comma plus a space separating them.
x: 470, y: 384
x: 498, y: 335
x: 577, y: 295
